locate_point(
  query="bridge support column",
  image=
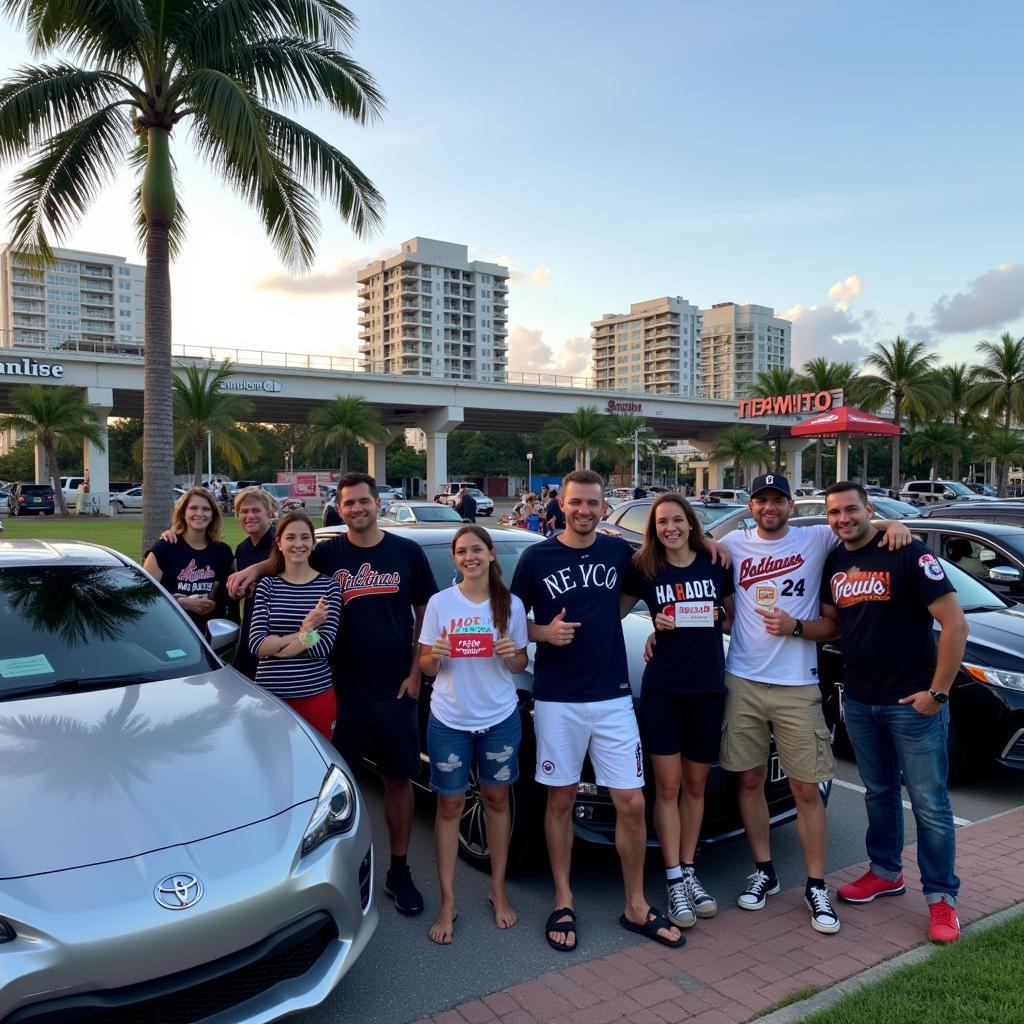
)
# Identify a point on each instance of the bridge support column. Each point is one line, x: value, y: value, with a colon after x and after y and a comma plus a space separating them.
x: 793, y: 448
x: 437, y: 424
x: 376, y: 457
x: 96, y: 457
x: 710, y: 473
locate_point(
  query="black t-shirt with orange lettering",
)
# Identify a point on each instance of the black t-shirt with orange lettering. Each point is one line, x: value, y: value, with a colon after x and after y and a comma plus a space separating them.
x: 882, y: 597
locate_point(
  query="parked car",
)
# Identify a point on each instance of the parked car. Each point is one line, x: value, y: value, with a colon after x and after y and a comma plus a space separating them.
x: 1008, y: 512
x: 421, y: 512
x: 131, y: 500
x: 730, y: 494
x: 279, y: 492
x: 929, y: 491
x: 69, y: 485
x: 980, y: 488
x: 484, y: 505
x: 986, y: 702
x: 594, y: 814
x: 629, y: 519
x: 177, y: 843
x: 885, y: 508
x: 30, y: 500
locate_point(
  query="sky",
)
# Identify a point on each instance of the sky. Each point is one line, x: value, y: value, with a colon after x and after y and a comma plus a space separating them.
x: 854, y: 166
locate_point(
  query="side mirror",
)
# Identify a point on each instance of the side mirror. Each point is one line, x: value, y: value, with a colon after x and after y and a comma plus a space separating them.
x: 1004, y: 574
x: 223, y: 635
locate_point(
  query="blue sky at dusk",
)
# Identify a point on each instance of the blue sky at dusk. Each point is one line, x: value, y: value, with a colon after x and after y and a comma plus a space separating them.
x: 856, y: 166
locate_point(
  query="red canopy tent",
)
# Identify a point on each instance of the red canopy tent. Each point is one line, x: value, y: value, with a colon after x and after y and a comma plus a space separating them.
x: 844, y: 424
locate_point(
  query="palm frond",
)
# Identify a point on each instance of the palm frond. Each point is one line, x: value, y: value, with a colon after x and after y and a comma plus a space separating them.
x: 37, y: 102
x: 322, y: 167
x: 54, y: 191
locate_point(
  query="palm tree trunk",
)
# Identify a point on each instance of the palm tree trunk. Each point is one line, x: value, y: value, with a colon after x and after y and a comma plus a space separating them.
x: 818, y: 446
x: 864, y: 463
x: 54, y: 473
x: 895, y: 484
x: 343, y: 460
x: 197, y: 452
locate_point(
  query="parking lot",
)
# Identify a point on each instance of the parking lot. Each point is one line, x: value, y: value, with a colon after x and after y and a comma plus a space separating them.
x: 404, y: 977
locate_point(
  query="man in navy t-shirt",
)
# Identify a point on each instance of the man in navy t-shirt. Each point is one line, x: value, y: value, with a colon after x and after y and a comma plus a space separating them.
x: 583, y: 701
x: 554, y: 516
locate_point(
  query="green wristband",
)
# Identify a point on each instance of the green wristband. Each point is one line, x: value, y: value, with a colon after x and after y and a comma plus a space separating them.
x: 310, y: 638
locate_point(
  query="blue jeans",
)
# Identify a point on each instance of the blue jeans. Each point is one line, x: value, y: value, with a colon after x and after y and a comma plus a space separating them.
x: 890, y: 739
x: 453, y: 752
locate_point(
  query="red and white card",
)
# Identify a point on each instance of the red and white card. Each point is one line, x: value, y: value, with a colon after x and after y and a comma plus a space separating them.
x: 472, y: 645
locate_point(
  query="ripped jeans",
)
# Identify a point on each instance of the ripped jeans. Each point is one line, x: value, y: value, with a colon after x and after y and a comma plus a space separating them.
x: 453, y: 752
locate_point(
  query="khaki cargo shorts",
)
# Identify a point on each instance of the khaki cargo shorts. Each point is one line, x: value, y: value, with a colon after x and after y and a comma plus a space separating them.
x: 794, y: 713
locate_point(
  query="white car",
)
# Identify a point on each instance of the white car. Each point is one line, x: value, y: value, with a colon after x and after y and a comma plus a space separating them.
x: 131, y: 500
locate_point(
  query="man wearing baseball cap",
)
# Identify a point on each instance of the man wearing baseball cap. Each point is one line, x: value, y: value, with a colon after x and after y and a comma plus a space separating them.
x: 771, y: 678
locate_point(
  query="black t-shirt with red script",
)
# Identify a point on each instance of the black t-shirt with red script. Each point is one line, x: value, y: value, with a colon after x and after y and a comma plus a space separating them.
x: 194, y: 572
x: 380, y: 586
x: 586, y: 582
x: 882, y: 598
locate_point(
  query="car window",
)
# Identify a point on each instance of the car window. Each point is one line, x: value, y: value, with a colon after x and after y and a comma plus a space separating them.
x: 437, y: 514
x: 810, y: 508
x: 443, y: 567
x: 635, y: 518
x: 81, y: 623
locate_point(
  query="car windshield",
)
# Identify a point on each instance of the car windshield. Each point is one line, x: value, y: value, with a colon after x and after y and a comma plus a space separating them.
x: 77, y: 625
x: 892, y: 509
x: 959, y: 489
x: 437, y: 514
x: 446, y: 575
x: 708, y: 514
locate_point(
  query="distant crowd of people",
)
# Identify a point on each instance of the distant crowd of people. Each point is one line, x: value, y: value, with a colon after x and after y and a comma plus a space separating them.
x: 345, y: 629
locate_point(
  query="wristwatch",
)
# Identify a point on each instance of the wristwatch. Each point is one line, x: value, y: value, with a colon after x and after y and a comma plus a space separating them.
x: 939, y: 697
x: 798, y: 629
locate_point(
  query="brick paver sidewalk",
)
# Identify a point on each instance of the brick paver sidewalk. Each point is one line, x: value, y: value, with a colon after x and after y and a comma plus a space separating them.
x: 738, y: 964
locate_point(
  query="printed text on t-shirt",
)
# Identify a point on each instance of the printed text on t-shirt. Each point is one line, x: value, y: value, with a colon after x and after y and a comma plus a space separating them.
x: 858, y: 585
x: 755, y: 570
x: 595, y: 574
x: 366, y: 581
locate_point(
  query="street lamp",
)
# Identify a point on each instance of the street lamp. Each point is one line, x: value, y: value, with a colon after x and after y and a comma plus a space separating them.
x: 289, y: 463
x: 529, y: 472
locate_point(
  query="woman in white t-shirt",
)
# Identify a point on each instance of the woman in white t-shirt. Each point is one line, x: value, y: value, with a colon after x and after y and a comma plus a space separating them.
x: 473, y: 642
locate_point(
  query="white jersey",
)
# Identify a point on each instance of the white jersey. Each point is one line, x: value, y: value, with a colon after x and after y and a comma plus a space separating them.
x: 785, y: 574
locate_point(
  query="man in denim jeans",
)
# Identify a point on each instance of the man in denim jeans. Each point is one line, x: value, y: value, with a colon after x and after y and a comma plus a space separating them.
x: 896, y: 691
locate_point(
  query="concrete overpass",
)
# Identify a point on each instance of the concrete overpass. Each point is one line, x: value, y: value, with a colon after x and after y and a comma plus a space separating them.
x: 285, y: 387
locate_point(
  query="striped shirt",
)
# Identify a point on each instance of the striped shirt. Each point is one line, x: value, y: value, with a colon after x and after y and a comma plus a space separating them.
x: 278, y: 610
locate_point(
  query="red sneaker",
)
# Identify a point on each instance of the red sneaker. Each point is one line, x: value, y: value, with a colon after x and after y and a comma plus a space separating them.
x: 943, y: 925
x: 868, y: 886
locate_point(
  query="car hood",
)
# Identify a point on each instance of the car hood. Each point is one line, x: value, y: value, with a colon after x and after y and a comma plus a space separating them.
x: 996, y: 638
x: 110, y: 774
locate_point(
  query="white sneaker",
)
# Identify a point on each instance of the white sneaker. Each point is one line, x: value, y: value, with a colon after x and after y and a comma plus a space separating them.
x: 759, y: 887
x: 680, y: 913
x: 823, y: 917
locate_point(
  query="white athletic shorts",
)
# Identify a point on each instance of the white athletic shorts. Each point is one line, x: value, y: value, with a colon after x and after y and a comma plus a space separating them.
x: 607, y: 728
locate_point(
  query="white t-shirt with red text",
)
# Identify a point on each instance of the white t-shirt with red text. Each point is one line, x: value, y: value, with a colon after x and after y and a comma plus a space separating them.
x: 784, y: 574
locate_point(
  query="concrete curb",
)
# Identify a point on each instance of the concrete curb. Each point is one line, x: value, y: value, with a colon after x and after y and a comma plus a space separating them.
x: 829, y: 997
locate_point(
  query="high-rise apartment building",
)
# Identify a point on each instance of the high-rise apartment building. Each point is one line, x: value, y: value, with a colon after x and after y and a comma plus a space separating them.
x: 430, y: 312
x: 738, y: 343
x: 84, y: 300
x: 655, y: 347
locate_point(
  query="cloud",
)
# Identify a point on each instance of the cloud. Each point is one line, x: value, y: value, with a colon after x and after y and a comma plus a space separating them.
x: 992, y: 299
x: 538, y: 275
x: 529, y: 353
x: 827, y: 331
x: 340, y: 280
x: 842, y: 293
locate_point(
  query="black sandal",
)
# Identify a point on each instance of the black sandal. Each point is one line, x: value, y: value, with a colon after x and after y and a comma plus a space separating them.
x: 563, y: 927
x: 650, y: 928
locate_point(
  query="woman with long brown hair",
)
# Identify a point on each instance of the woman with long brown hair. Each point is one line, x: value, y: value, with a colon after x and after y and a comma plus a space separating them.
x: 473, y: 642
x: 682, y: 701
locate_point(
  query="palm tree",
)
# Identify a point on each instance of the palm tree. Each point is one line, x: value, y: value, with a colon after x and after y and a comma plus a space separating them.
x: 201, y: 408
x: 999, y: 379
x: 905, y: 379
x: 57, y: 419
x: 740, y: 446
x: 345, y: 420
x: 821, y: 375
x: 583, y: 433
x: 143, y: 67
x: 1007, y: 448
x: 935, y: 442
x: 773, y: 383
x: 958, y: 382
x: 632, y: 435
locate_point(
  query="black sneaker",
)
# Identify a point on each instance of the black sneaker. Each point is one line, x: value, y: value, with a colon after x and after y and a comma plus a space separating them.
x: 823, y: 917
x: 399, y: 886
x: 759, y: 887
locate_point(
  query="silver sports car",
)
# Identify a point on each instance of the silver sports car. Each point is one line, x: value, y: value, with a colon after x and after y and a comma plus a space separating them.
x: 175, y: 844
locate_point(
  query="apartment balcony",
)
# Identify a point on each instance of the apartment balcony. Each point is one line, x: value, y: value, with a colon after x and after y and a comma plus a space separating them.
x: 501, y: 316
x: 500, y: 286
x: 96, y: 273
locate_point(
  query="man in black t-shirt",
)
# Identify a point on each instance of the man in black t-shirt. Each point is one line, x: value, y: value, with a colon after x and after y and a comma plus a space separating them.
x: 554, y: 516
x: 465, y: 505
x: 253, y: 507
x: 583, y: 702
x: 896, y: 688
x: 385, y: 584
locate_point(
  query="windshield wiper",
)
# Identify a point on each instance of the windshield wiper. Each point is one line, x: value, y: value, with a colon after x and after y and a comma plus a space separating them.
x: 71, y: 685
x: 983, y: 608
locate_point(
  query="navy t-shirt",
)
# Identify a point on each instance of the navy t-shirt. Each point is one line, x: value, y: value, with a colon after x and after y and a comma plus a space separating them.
x: 332, y: 517
x: 194, y: 572
x: 888, y: 638
x: 554, y: 510
x: 689, y: 658
x: 586, y: 582
x: 247, y: 554
x: 380, y: 586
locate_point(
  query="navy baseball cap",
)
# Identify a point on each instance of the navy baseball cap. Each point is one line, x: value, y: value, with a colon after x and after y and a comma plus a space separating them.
x: 770, y: 482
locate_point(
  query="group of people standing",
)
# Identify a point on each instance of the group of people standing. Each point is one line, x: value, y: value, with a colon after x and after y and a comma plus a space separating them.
x: 344, y: 630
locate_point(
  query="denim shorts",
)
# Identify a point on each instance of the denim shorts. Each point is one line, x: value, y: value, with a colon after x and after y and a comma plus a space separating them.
x: 454, y: 751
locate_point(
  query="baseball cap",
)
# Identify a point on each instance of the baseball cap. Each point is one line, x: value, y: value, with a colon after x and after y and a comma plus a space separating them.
x: 770, y: 482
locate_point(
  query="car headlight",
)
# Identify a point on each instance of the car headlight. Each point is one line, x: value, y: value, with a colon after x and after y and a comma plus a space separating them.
x: 996, y: 676
x: 334, y: 811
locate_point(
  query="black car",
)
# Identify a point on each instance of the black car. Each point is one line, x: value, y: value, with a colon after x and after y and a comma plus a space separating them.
x: 629, y: 520
x: 30, y: 500
x: 986, y: 703
x: 1009, y: 513
x: 594, y: 814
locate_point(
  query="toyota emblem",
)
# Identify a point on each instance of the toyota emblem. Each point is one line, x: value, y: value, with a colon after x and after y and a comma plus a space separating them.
x: 179, y: 892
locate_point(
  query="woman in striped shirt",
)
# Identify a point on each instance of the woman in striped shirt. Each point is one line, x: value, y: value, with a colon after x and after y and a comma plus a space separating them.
x: 295, y: 618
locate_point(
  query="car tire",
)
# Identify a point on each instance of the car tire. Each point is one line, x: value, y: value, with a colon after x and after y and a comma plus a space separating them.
x: 120, y: 506
x: 50, y: 513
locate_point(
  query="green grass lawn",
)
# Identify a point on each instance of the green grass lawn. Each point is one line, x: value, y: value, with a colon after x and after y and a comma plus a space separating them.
x: 979, y: 980
x: 122, y: 533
